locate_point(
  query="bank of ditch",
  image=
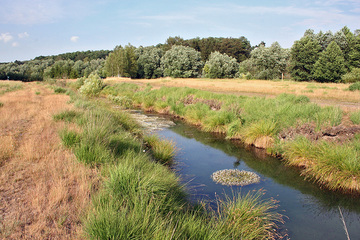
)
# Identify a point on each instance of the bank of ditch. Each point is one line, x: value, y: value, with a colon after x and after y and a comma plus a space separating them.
x: 140, y: 197
x: 315, y: 139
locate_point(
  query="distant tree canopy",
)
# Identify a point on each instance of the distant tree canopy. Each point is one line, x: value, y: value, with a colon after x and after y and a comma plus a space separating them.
x: 266, y: 62
x: 322, y: 57
x: 238, y: 48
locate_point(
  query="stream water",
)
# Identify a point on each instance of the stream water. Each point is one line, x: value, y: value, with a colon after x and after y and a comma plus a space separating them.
x: 311, y: 212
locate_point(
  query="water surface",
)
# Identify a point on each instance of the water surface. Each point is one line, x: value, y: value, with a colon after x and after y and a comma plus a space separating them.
x: 312, y: 213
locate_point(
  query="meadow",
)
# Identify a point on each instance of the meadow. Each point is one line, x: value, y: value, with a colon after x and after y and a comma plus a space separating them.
x: 323, y: 141
x: 79, y: 168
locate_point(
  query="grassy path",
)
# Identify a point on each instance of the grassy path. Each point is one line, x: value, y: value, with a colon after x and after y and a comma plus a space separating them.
x: 42, y: 189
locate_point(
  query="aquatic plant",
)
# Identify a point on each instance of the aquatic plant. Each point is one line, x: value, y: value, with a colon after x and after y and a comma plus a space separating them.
x: 235, y: 177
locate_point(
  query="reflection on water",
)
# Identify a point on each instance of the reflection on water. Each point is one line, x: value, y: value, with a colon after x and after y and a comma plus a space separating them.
x: 312, y: 212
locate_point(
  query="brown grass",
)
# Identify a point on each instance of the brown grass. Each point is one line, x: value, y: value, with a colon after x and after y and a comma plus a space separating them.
x: 43, y: 190
x: 321, y: 93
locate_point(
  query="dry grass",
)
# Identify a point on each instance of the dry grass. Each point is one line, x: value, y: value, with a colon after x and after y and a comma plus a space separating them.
x: 43, y: 190
x: 322, y: 93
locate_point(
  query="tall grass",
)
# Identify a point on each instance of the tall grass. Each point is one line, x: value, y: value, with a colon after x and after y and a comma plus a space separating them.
x: 163, y: 150
x: 355, y: 117
x: 335, y: 166
x: 141, y: 198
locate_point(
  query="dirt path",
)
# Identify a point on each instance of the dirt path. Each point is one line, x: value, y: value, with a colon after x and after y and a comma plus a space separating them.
x: 43, y: 190
x: 324, y: 94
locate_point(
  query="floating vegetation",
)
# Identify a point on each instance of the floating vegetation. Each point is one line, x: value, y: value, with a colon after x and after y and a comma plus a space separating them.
x: 231, y: 177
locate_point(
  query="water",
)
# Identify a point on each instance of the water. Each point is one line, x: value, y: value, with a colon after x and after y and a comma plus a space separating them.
x: 312, y: 213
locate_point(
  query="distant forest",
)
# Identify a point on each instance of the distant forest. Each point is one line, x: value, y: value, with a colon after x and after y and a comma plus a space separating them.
x: 322, y: 57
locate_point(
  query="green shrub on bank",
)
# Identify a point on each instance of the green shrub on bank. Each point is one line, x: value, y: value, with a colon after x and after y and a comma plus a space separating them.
x: 352, y: 76
x: 354, y: 86
x: 92, y: 86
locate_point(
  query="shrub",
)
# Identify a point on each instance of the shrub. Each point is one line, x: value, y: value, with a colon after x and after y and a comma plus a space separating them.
x: 122, y: 101
x: 352, y: 76
x: 355, y: 86
x: 59, y: 90
x: 92, y: 86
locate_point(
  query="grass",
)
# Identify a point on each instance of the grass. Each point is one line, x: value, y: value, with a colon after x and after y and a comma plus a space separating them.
x: 54, y: 186
x: 355, y: 117
x: 10, y: 87
x: 1, y: 104
x: 163, y: 150
x: 354, y: 86
x: 59, y: 90
x: 255, y: 120
x: 332, y: 165
x: 140, y: 197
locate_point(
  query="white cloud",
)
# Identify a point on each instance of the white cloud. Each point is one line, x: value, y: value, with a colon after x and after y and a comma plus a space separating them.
x: 6, y: 37
x: 74, y: 39
x: 23, y: 35
x: 15, y: 44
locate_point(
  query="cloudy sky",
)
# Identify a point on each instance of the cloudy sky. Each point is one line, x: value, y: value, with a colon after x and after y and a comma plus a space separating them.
x: 30, y: 28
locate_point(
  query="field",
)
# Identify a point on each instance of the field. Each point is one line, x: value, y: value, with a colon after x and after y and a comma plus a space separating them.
x: 321, y: 93
x: 74, y: 168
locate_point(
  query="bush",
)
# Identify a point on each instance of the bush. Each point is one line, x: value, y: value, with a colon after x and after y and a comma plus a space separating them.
x: 92, y: 86
x: 352, y: 76
x: 354, y: 86
x: 59, y: 90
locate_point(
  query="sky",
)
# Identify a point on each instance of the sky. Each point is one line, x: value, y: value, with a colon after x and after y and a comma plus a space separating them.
x: 31, y: 28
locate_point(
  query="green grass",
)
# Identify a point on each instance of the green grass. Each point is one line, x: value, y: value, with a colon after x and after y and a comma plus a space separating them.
x: 1, y: 104
x: 332, y: 165
x: 163, y: 150
x: 67, y: 116
x: 140, y: 198
x: 59, y: 90
x: 355, y: 117
x: 9, y: 87
x: 355, y: 86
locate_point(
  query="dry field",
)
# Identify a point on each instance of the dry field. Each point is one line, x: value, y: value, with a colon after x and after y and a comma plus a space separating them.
x: 321, y: 93
x: 43, y: 190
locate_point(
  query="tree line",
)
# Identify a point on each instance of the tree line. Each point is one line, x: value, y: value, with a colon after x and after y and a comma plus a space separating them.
x: 322, y: 57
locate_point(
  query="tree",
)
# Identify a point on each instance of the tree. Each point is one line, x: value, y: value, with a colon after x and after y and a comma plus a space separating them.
x: 220, y: 66
x: 183, y: 62
x: 303, y: 55
x: 330, y: 65
x: 266, y: 62
x: 149, y: 62
x: 122, y: 62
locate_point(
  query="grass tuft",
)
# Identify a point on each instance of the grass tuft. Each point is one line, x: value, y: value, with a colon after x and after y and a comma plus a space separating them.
x: 355, y: 117
x: 162, y: 150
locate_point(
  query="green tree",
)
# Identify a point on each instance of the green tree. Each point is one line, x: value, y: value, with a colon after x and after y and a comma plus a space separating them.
x: 149, y: 62
x: 220, y: 66
x: 266, y: 62
x: 129, y: 62
x: 181, y: 62
x: 303, y: 55
x: 330, y: 65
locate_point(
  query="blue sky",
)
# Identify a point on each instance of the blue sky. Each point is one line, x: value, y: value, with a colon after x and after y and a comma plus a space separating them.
x: 30, y: 28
